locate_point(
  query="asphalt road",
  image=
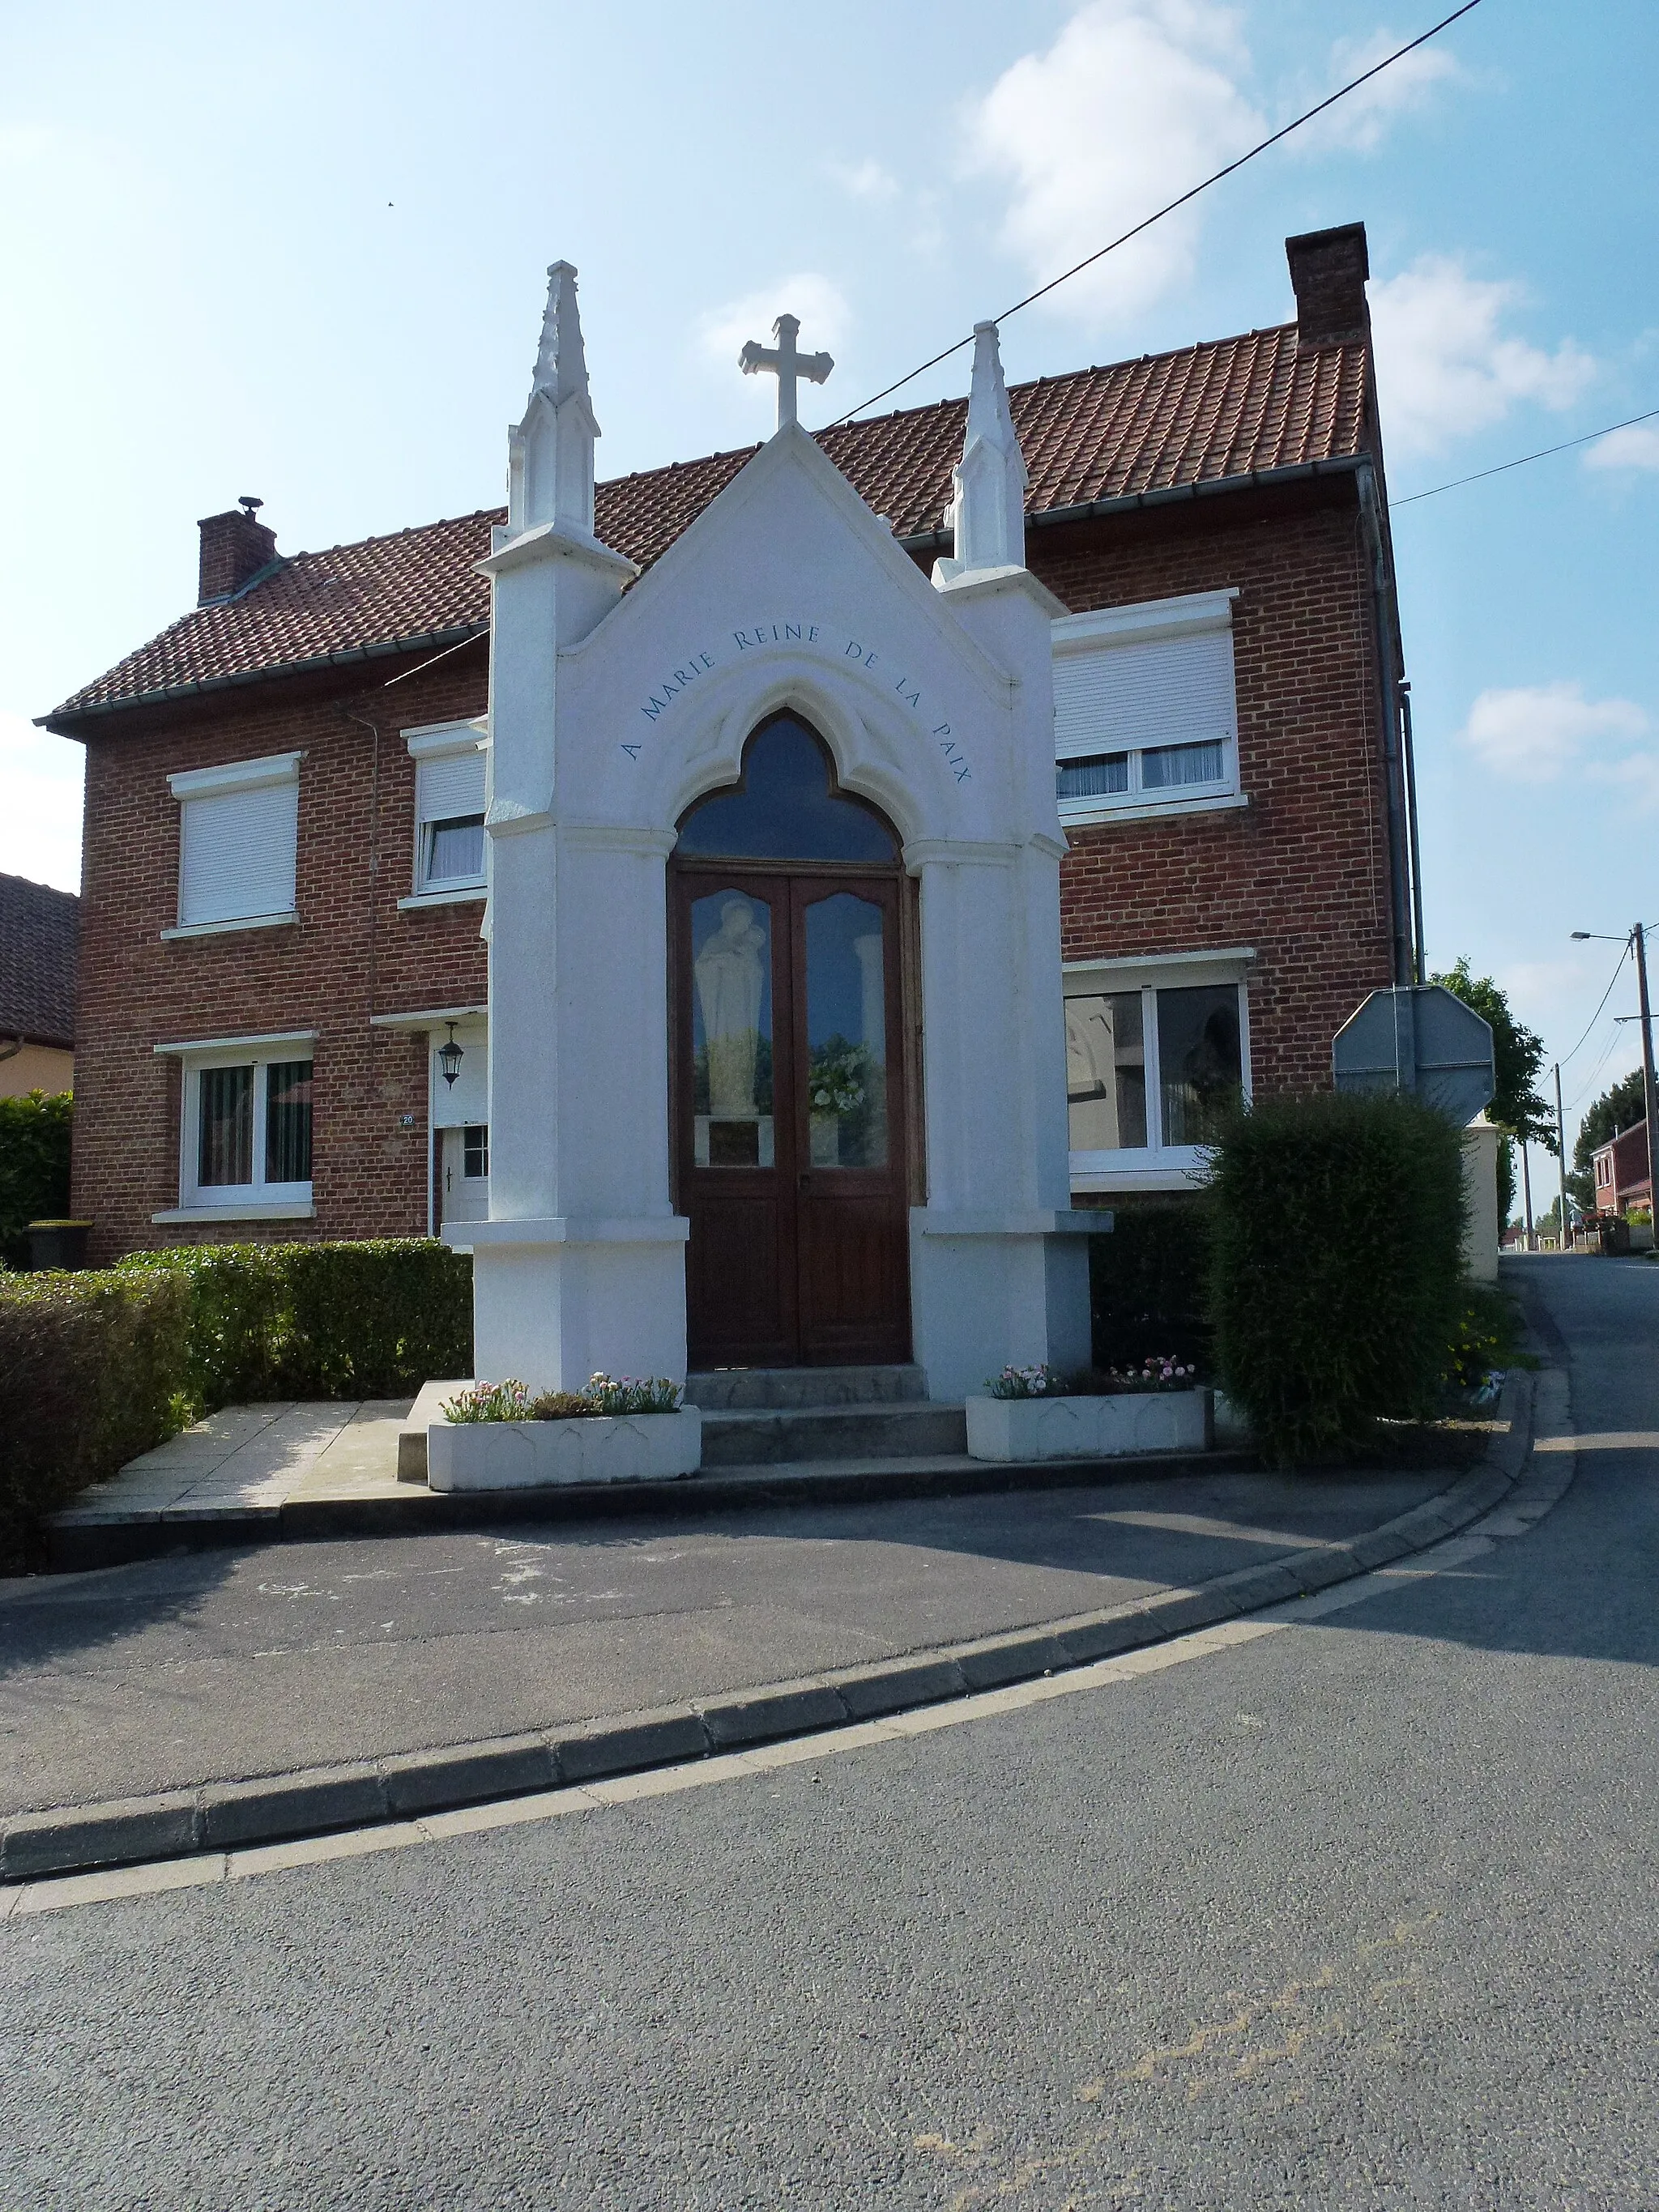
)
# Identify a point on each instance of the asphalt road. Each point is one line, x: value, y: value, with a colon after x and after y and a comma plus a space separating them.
x: 1358, y: 1914
x: 217, y: 1666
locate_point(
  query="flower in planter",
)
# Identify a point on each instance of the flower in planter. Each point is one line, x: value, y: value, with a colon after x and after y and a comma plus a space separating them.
x: 600, y: 1396
x: 489, y: 1401
x: 1038, y: 1382
x: 630, y: 1394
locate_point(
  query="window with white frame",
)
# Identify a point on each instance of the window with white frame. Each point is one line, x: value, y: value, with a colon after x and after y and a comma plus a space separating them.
x: 238, y: 838
x: 1157, y: 1059
x: 1145, y: 715
x: 449, y: 810
x: 246, y: 1140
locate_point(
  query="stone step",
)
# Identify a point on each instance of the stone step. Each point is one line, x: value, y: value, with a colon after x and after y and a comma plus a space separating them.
x: 754, y: 1389
x: 773, y: 1436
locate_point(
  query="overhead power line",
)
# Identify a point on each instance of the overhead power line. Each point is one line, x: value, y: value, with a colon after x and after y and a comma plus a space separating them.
x: 1596, y: 1016
x: 1146, y: 221
x: 1542, y: 454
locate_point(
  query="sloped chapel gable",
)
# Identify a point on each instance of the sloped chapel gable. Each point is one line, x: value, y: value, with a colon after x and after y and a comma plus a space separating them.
x: 787, y: 592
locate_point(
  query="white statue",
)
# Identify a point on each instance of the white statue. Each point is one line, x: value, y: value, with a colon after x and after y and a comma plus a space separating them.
x: 730, y: 981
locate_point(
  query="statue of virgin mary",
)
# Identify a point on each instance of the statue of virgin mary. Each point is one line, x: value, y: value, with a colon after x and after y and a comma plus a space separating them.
x: 730, y: 981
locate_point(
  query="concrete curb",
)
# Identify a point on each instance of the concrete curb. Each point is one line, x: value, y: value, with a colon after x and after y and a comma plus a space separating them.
x: 76, y: 1840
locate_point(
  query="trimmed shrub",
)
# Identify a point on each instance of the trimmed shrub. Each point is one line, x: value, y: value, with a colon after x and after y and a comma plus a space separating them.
x: 35, y: 1167
x: 1149, y: 1284
x: 93, y: 1363
x: 366, y: 1319
x: 1336, y: 1275
x: 102, y: 1366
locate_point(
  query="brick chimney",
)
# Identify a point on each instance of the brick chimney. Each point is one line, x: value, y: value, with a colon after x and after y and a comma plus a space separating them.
x: 234, y: 548
x: 1329, y: 269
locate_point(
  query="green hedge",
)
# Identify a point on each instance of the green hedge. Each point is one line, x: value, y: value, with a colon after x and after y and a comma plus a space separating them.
x: 368, y: 1320
x: 1336, y: 1275
x: 103, y: 1365
x: 35, y: 1167
x: 93, y: 1365
x: 1148, y: 1283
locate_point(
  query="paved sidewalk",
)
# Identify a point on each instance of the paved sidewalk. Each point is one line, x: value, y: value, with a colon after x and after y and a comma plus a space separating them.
x: 254, y: 1459
x: 218, y: 1666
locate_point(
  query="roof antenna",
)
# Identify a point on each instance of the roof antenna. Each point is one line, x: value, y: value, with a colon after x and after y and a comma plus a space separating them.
x: 249, y: 505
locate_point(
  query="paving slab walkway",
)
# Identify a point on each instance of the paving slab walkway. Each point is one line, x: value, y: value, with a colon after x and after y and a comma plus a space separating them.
x: 222, y: 1665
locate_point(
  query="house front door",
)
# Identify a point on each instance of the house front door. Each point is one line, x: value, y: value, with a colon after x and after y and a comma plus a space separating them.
x: 791, y: 1116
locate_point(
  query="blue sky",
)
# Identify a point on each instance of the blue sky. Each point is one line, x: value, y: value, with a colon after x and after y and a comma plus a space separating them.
x: 299, y: 254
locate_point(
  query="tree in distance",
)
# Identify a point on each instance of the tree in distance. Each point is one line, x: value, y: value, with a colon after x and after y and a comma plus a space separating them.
x: 1516, y: 1108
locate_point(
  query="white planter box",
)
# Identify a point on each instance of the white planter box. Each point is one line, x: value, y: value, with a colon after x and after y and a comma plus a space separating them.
x: 1020, y: 1429
x: 545, y: 1455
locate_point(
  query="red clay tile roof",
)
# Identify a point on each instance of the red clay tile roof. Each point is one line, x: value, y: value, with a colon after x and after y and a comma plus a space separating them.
x: 40, y: 931
x: 1228, y: 409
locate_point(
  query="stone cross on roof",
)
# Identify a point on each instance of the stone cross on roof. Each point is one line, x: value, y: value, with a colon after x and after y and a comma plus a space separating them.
x: 783, y: 361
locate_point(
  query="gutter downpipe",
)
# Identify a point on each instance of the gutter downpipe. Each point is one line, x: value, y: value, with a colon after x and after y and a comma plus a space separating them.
x: 1407, y: 950
x: 1411, y: 818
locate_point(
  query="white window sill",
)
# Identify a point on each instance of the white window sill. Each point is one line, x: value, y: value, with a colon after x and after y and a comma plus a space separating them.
x: 455, y: 898
x: 278, y: 1209
x: 242, y: 921
x: 1077, y: 813
x: 1179, y: 1167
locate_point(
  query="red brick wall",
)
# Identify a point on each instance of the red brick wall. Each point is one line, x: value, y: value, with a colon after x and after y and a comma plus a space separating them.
x: 1301, y: 874
x: 351, y: 954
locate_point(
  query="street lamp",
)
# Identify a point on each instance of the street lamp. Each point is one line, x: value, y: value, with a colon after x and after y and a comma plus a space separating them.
x: 1649, y: 1115
x: 450, y: 1057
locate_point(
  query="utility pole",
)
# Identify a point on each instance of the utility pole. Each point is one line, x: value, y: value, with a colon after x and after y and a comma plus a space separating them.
x: 1649, y: 1114
x: 1561, y: 1244
x: 1526, y: 1193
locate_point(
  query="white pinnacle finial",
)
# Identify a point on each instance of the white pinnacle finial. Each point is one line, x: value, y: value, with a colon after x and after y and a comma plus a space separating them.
x: 988, y: 506
x: 560, y: 364
x: 783, y: 361
x: 550, y: 454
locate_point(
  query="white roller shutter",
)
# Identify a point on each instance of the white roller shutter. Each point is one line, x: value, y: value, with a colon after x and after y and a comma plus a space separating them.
x: 237, y: 853
x: 451, y: 788
x: 1160, y: 691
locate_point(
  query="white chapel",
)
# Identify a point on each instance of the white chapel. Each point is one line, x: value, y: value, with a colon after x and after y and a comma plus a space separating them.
x: 777, y: 1060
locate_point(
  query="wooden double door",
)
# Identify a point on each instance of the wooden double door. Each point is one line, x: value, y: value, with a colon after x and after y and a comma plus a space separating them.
x: 790, y: 1120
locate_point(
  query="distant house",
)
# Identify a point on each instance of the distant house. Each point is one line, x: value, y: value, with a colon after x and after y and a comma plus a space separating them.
x: 1621, y: 1171
x: 40, y: 933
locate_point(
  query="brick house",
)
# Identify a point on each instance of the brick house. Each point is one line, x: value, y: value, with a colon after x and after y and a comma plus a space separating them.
x: 39, y: 929
x: 1620, y: 1168
x: 283, y: 873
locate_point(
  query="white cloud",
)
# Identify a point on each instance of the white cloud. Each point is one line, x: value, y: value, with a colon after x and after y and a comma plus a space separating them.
x: 1636, y: 777
x: 1534, y: 733
x: 1635, y: 446
x: 40, y: 781
x: 1359, y: 124
x: 1134, y: 101
x: 866, y: 180
x: 1445, y: 365
x: 825, y: 317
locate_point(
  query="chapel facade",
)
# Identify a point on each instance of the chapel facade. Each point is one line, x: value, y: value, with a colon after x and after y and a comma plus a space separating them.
x: 819, y: 770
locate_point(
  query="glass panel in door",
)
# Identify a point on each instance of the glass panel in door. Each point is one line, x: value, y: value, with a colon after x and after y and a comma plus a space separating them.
x: 731, y: 1031
x: 846, y: 1033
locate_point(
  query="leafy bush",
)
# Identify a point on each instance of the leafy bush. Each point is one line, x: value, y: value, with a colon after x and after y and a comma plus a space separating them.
x: 1337, y: 1263
x: 104, y: 1363
x: 93, y: 1365
x: 35, y: 1167
x: 319, y: 1320
x: 1486, y: 1336
x: 1148, y: 1283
